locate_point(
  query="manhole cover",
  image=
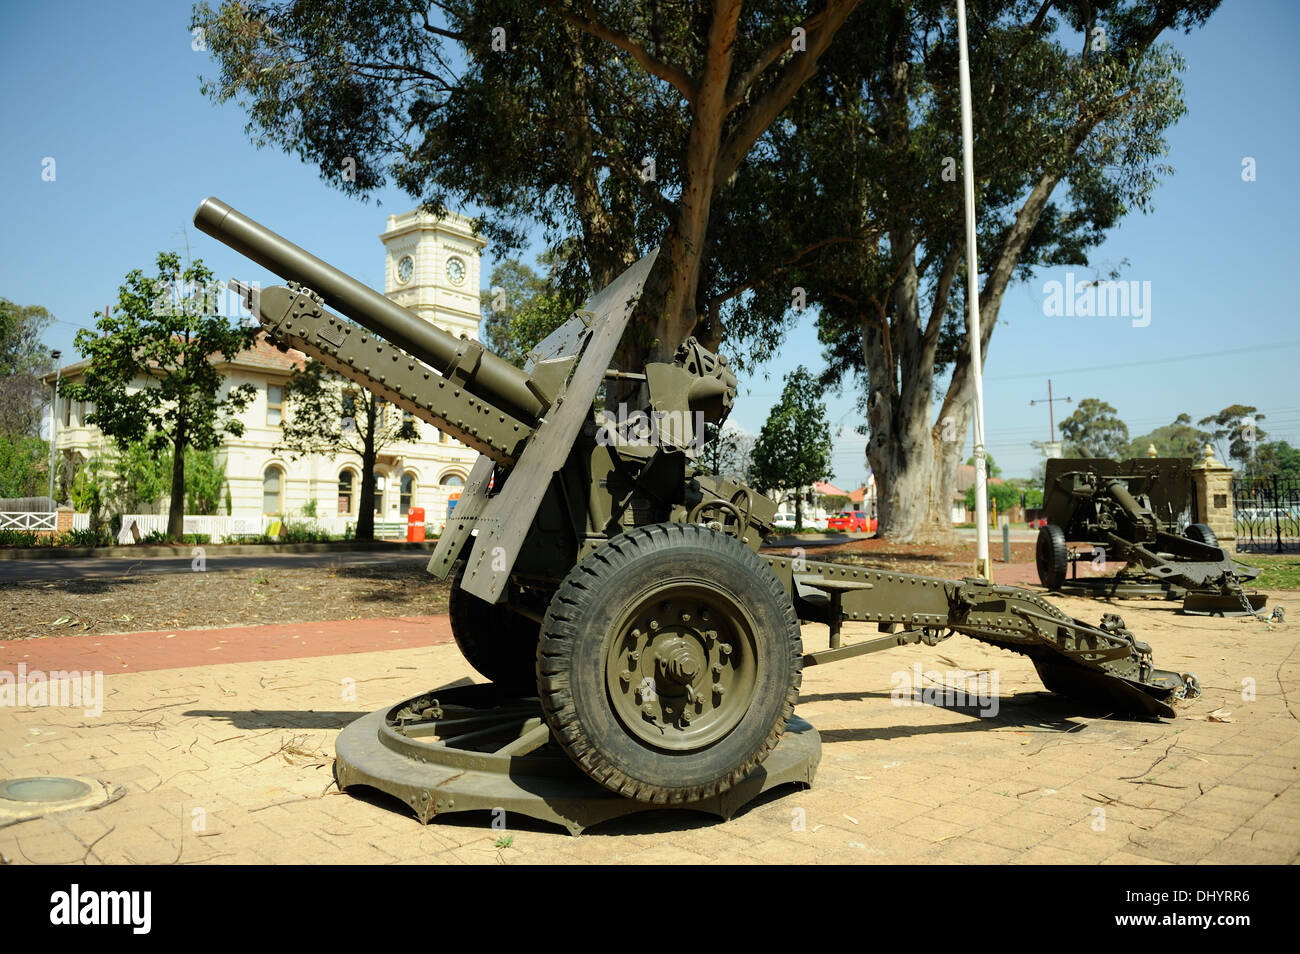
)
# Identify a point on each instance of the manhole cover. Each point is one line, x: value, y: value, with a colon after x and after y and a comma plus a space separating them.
x: 44, y: 790
x: 24, y: 798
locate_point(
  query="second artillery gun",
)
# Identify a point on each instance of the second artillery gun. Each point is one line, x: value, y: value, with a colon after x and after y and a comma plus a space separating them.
x: 1129, y: 512
x: 596, y: 565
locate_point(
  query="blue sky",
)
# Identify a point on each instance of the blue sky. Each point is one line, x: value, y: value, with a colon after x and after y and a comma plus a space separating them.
x: 111, y: 93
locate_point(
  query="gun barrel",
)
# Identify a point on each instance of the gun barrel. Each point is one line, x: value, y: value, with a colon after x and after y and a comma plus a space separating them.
x: 495, y: 380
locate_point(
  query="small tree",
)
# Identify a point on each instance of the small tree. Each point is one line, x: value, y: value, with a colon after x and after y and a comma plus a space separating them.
x: 1235, y: 429
x: 23, y: 359
x: 793, y: 449
x: 24, y: 465
x: 1094, y: 430
x: 329, y: 415
x: 521, y: 308
x: 152, y: 378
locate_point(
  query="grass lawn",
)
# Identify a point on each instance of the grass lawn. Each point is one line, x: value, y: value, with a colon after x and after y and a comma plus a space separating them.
x: 1277, y: 572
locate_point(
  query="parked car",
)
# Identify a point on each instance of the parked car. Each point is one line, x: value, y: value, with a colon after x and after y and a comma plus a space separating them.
x: 853, y: 521
x: 783, y: 520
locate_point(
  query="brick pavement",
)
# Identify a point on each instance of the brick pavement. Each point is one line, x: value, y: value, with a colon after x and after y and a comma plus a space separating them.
x: 230, y: 762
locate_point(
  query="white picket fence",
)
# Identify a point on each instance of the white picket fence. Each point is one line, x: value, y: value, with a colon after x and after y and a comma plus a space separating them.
x: 21, y: 520
x: 222, y: 529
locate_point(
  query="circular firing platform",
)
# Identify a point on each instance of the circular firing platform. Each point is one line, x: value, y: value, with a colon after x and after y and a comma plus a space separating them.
x: 471, y: 748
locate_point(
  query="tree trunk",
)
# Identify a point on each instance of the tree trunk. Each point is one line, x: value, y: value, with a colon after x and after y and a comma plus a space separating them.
x: 176, y: 509
x: 366, y: 505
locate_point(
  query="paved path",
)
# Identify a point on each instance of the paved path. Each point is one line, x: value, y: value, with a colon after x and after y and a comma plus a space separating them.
x: 229, y: 761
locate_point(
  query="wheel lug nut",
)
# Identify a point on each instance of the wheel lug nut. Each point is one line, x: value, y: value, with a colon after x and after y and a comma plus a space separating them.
x: 725, y: 649
x: 654, y: 625
x: 718, y: 688
x: 686, y: 617
x: 625, y: 676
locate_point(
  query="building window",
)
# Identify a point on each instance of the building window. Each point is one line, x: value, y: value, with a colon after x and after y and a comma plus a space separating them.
x: 407, y: 492
x: 452, y: 480
x: 379, y: 495
x: 345, y: 492
x: 274, y: 405
x: 349, y: 411
x: 272, y: 490
x: 67, y: 412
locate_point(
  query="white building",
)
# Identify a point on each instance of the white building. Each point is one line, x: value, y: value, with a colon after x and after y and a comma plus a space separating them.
x: 432, y: 268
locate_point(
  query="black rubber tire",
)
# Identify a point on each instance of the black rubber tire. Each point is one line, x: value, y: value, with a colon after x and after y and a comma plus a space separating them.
x: 498, y: 642
x: 1201, y: 534
x: 1051, y: 555
x: 580, y: 629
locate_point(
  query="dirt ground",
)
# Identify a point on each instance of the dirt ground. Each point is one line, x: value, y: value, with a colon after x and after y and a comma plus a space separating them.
x: 243, y: 597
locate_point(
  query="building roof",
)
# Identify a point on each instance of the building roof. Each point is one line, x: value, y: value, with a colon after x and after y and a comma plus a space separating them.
x: 828, y: 489
x: 262, y: 355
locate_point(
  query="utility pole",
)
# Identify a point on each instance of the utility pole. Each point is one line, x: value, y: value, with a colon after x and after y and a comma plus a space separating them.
x: 973, y: 338
x: 54, y: 418
x: 1049, y: 400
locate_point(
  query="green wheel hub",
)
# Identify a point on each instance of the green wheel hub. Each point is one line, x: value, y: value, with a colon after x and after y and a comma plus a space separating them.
x: 681, y: 666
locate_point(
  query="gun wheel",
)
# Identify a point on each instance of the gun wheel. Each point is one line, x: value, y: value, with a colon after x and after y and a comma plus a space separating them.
x: 670, y: 663
x: 1201, y: 534
x: 498, y: 642
x: 1051, y: 556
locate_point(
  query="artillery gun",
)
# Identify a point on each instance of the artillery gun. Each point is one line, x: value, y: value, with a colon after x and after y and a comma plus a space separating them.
x: 597, y: 567
x: 1129, y: 512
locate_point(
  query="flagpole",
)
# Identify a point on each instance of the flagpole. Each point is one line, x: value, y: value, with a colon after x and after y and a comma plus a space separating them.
x: 982, y: 565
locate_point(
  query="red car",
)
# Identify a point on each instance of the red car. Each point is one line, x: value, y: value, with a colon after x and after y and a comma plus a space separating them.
x: 852, y: 521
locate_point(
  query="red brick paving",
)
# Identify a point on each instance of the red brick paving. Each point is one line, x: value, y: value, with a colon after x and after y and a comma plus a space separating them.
x: 179, y: 648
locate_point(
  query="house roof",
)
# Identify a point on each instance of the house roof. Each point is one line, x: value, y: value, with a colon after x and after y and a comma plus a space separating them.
x: 828, y: 489
x: 262, y: 355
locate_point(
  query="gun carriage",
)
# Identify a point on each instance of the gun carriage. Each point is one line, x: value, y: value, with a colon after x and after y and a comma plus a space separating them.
x: 1130, y: 512
x: 601, y: 570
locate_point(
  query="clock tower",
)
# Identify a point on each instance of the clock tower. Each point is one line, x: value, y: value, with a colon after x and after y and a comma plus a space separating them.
x: 431, y: 266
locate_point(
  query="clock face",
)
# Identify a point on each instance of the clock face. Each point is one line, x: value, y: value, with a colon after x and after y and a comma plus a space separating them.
x: 405, y: 268
x: 455, y: 271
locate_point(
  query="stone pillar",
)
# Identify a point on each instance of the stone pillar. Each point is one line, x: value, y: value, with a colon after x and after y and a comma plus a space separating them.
x: 1212, y: 490
x: 63, y: 521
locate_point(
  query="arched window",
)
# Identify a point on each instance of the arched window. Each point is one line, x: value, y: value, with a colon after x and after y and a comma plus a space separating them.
x: 407, y: 492
x: 380, y: 483
x: 452, y: 480
x: 346, y: 482
x: 273, y: 490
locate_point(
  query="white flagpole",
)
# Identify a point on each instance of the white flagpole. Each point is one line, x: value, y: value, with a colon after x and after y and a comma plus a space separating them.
x: 982, y: 565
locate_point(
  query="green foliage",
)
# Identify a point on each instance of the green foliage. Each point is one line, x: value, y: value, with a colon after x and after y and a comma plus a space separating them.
x: 1179, y: 439
x: 793, y: 449
x: 1276, y: 459
x: 24, y: 466
x: 1235, y: 429
x: 327, y: 415
x: 520, y: 309
x: 297, y: 532
x: 24, y: 538
x: 23, y: 359
x: 1094, y: 430
x: 309, y: 509
x: 205, y: 480
x: 90, y: 537
x: 1003, y: 495
x: 152, y: 378
x: 835, y: 502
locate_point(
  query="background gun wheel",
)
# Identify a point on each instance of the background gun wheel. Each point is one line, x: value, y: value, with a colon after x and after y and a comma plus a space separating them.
x: 1201, y: 534
x: 670, y: 662
x: 1051, y: 556
x: 498, y: 642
